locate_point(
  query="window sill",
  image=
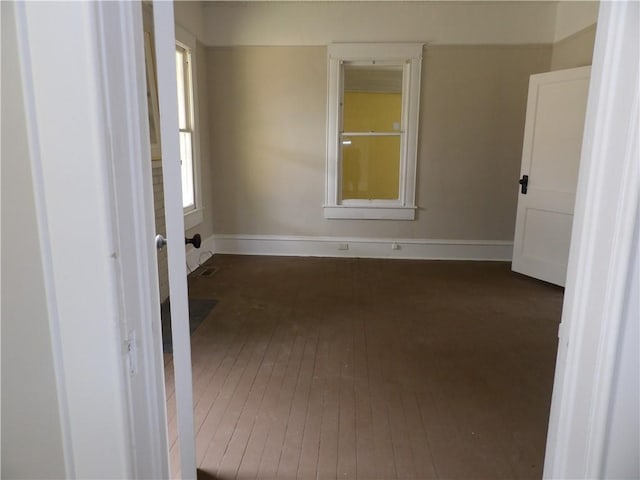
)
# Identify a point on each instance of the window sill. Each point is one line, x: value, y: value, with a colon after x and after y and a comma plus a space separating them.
x: 369, y: 212
x: 192, y: 219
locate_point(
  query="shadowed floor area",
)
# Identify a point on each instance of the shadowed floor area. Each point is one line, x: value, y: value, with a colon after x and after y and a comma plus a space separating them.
x: 370, y: 369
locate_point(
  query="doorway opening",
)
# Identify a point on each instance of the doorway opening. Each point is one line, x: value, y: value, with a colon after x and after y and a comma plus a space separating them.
x: 394, y: 447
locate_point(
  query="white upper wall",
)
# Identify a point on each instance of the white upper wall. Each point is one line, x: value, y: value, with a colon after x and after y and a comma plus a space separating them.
x: 573, y: 16
x: 321, y: 23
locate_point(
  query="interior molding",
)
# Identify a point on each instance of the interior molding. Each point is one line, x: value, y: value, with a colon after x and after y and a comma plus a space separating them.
x: 316, y: 246
x: 602, y: 247
x: 485, y: 46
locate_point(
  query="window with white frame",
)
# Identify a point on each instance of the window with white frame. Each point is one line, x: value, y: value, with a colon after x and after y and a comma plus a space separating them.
x: 185, y: 68
x: 373, y: 106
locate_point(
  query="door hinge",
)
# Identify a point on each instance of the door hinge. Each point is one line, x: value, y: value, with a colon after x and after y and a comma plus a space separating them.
x: 560, y: 330
x: 132, y: 353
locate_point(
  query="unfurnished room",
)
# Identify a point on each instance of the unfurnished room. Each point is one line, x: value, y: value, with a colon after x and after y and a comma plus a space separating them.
x: 379, y: 133
x: 365, y: 240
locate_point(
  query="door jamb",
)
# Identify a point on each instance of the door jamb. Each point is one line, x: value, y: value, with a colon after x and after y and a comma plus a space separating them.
x: 122, y: 65
x: 602, y: 244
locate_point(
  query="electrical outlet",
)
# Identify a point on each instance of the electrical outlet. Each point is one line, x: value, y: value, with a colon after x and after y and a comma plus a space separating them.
x: 343, y: 246
x: 395, y: 246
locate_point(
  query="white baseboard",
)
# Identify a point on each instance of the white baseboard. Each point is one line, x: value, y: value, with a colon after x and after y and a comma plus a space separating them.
x: 307, y: 246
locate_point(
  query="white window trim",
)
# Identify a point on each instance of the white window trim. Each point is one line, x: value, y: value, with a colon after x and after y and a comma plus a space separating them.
x: 410, y: 55
x: 193, y: 216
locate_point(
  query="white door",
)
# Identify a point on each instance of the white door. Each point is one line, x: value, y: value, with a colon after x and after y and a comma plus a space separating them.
x: 550, y: 159
x: 165, y: 47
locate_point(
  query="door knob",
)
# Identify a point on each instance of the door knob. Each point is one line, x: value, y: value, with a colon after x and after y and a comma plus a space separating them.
x: 196, y: 241
x: 161, y: 242
x: 524, y: 183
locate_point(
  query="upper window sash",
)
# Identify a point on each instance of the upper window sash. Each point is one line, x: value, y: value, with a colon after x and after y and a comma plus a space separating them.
x: 185, y: 87
x: 410, y: 57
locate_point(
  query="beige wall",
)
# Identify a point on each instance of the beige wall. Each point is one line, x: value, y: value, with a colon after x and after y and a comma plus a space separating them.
x: 262, y: 109
x: 267, y: 122
x: 470, y: 147
x: 202, y: 85
x: 267, y: 108
x: 267, y: 131
x: 575, y: 50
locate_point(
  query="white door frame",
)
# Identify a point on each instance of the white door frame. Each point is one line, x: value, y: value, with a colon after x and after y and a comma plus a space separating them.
x: 82, y: 68
x: 602, y: 245
x: 121, y: 50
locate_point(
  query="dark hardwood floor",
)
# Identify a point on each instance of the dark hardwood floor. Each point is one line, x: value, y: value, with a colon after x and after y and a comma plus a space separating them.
x: 323, y: 368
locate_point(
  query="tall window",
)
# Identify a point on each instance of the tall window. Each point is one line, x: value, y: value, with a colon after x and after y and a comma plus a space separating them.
x: 371, y: 131
x: 185, y: 123
x: 186, y: 75
x: 374, y: 100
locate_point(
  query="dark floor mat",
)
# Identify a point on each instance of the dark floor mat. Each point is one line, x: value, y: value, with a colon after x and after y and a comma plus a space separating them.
x: 199, y: 308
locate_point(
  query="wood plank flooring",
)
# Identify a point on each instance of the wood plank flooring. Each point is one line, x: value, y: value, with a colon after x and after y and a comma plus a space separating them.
x: 314, y: 368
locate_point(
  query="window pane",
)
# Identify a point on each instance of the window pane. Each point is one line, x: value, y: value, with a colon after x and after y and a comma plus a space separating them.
x: 372, y: 99
x: 180, y: 74
x: 370, y: 167
x: 186, y: 163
